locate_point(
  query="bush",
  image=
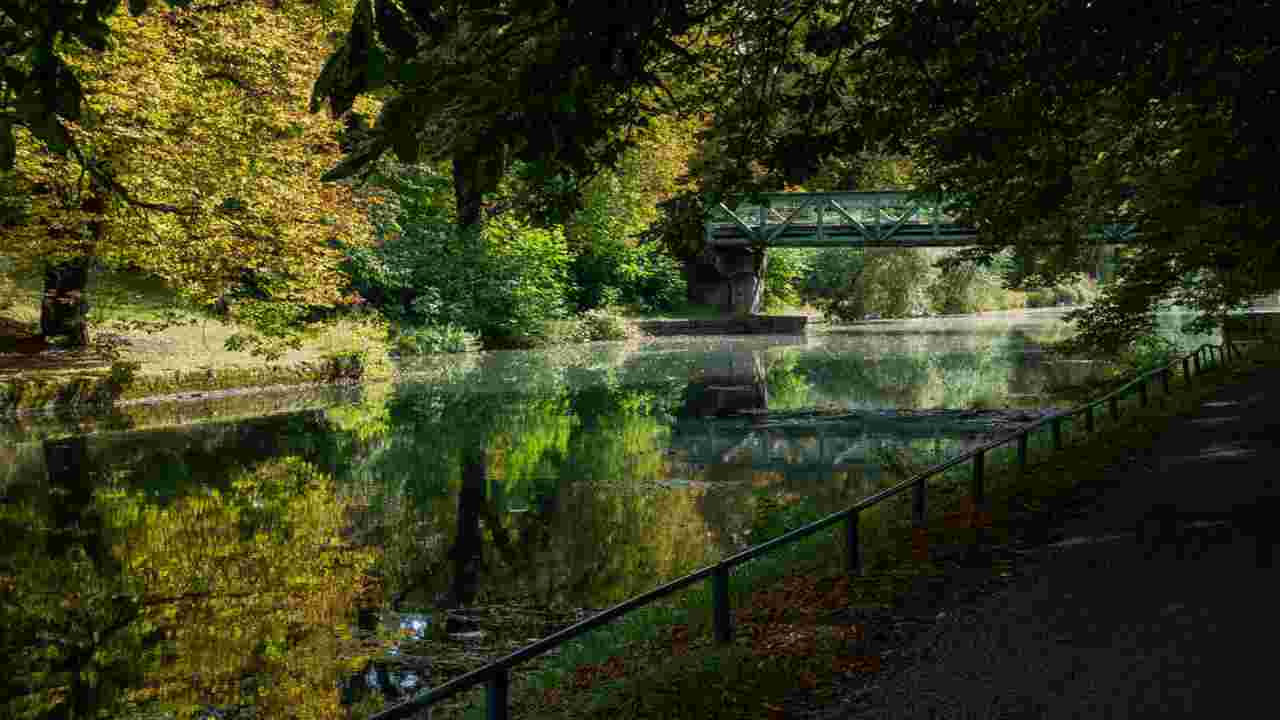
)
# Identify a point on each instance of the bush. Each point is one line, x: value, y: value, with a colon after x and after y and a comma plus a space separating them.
x: 608, y: 271
x: 433, y: 339
x: 344, y: 367
x: 784, y: 276
x: 502, y: 285
x: 601, y: 324
x: 829, y: 283
x: 854, y: 284
x: 1080, y: 292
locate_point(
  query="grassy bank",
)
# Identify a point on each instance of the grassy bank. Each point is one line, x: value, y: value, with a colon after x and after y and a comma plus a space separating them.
x: 794, y: 608
x: 144, y: 345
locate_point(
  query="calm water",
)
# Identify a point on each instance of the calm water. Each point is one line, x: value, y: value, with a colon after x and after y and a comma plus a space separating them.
x: 159, y: 571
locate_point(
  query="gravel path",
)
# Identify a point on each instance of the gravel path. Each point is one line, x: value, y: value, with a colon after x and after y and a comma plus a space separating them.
x: 1105, y: 626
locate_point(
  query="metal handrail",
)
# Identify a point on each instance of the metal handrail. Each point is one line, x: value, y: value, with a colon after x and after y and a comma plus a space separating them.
x: 496, y: 674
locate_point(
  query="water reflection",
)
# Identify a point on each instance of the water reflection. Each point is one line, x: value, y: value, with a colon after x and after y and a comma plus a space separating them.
x: 250, y: 566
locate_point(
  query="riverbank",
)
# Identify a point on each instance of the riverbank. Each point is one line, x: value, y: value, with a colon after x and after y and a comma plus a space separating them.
x: 811, y: 642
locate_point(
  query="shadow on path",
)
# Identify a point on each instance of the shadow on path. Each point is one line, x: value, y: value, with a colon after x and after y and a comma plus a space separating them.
x: 1160, y: 602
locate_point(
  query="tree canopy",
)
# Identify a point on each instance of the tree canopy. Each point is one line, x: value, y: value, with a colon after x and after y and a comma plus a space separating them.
x: 1050, y: 117
x: 190, y: 129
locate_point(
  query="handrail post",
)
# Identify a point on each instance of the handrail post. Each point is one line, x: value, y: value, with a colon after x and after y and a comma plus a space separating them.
x: 978, y: 494
x: 1186, y: 369
x: 1022, y: 452
x: 1113, y: 404
x: 853, y: 554
x: 1195, y: 358
x: 1088, y: 418
x: 1057, y: 433
x: 918, y: 506
x: 1164, y: 379
x: 1142, y: 392
x: 976, y: 489
x: 722, y: 620
x: 496, y: 704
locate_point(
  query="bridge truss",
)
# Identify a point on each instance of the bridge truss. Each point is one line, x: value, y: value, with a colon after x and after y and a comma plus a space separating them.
x: 866, y: 219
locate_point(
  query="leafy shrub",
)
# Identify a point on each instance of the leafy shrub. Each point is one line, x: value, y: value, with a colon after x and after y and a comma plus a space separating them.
x: 1148, y: 352
x: 784, y: 275
x: 344, y: 367
x: 561, y: 332
x: 432, y: 339
x: 1080, y: 292
x: 830, y: 280
x: 888, y: 283
x: 501, y: 285
x: 608, y: 271
x: 601, y: 324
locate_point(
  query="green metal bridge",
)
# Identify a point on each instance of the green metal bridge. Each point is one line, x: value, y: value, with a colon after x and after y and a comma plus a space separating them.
x: 864, y: 219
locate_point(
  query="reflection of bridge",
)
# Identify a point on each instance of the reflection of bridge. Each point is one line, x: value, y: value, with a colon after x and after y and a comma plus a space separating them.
x: 855, y: 219
x: 821, y: 446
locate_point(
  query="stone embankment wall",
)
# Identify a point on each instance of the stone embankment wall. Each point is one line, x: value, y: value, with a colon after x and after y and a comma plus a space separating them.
x: 751, y: 325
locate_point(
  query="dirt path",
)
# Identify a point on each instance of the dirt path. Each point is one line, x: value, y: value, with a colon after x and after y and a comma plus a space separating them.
x: 1104, y: 626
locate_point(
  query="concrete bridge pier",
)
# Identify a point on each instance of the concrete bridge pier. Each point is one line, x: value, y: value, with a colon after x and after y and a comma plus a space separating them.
x: 743, y: 271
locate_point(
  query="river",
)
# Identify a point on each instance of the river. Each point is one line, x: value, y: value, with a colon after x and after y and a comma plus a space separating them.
x: 269, y: 558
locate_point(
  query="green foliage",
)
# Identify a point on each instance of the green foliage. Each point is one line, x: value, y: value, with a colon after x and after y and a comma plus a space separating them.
x: 1080, y: 291
x: 1150, y: 351
x: 346, y: 366
x: 602, y: 324
x: 502, y: 284
x: 852, y: 284
x: 607, y: 271
x: 1053, y: 116
x: 784, y: 272
x: 432, y: 339
x: 829, y: 285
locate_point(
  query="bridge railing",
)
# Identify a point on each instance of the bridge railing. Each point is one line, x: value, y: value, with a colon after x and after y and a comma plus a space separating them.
x: 496, y: 675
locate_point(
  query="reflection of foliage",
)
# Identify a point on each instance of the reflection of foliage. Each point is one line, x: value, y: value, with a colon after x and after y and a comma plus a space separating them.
x: 789, y: 388
x: 237, y: 598
x: 550, y: 453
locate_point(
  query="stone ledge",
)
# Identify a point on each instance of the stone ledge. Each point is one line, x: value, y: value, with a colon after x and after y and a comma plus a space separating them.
x: 750, y: 325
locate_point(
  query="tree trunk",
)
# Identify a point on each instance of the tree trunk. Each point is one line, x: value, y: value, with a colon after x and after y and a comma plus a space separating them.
x: 64, y: 308
x: 476, y: 171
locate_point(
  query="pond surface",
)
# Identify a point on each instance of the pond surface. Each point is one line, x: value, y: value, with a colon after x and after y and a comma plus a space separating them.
x: 251, y: 566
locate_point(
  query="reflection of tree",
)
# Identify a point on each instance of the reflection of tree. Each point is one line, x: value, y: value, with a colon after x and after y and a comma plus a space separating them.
x: 555, y: 487
x: 223, y: 599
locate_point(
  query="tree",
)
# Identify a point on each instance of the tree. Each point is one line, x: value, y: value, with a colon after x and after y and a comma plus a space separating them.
x: 1054, y: 117
x: 557, y: 85
x: 179, y: 146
